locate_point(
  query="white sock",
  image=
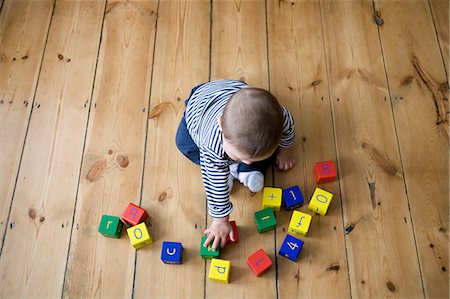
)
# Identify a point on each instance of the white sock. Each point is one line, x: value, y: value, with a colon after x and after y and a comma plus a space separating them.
x: 254, y: 180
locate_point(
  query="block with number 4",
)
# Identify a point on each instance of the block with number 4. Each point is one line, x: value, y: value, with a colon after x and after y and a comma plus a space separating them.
x: 259, y: 262
x: 139, y: 235
x: 320, y: 201
x: 171, y: 252
x: 291, y: 248
x: 220, y: 270
x: 324, y: 172
x: 300, y: 223
x: 272, y: 198
x: 110, y: 226
x: 292, y: 198
x: 207, y: 252
x: 134, y: 215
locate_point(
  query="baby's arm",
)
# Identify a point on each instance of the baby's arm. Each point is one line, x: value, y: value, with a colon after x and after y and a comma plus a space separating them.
x: 218, y: 232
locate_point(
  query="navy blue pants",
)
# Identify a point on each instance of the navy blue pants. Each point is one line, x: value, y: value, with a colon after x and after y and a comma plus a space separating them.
x: 188, y: 147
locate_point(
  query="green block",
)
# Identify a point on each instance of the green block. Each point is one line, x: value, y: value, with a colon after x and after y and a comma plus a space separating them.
x: 265, y: 220
x: 207, y: 252
x: 110, y: 226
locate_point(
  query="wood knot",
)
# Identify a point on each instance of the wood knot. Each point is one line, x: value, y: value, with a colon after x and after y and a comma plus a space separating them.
x: 178, y: 99
x: 42, y: 219
x: 110, y: 152
x: 407, y: 80
x: 60, y: 57
x: 349, y: 228
x: 162, y: 196
x: 24, y: 57
x: 377, y: 18
x: 316, y: 82
x: 96, y: 169
x: 159, y: 109
x: 290, y: 88
x: 391, y: 287
x: 122, y: 160
x: 32, y: 213
x: 334, y: 267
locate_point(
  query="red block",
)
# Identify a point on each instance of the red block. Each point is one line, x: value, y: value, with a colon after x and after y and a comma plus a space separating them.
x: 324, y: 172
x: 134, y: 215
x: 236, y: 237
x: 259, y: 262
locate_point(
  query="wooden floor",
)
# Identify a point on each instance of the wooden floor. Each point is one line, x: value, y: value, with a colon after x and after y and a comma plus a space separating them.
x: 91, y: 94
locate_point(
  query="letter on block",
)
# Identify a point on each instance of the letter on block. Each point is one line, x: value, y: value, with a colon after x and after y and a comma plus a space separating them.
x: 259, y: 262
x: 207, y: 252
x: 272, y: 198
x: 139, y: 235
x: 236, y: 237
x: 265, y: 220
x: 220, y: 270
x: 292, y: 198
x: 324, y: 172
x: 110, y: 226
x: 172, y: 252
x: 320, y: 201
x: 300, y: 223
x: 291, y: 248
x: 134, y: 215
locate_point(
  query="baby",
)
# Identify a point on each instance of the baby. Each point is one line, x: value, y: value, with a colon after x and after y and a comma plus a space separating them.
x: 233, y: 131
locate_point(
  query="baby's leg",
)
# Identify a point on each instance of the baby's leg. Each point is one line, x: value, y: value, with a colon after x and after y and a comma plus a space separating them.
x: 185, y: 143
x: 252, y: 175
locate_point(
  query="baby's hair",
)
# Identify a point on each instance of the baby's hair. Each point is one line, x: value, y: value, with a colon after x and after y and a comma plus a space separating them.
x: 252, y: 121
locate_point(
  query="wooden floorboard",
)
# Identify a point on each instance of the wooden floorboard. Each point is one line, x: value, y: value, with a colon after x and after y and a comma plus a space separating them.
x: 23, y: 27
x: 440, y: 12
x: 382, y: 261
x: 419, y: 96
x: 112, y: 166
x: 173, y: 190
x: 45, y: 194
x: 299, y: 81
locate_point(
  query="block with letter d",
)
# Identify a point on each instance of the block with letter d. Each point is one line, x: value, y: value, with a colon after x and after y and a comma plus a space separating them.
x: 259, y: 262
x: 220, y: 270
x: 291, y: 248
x: 134, y: 215
x: 320, y: 201
x: 139, y: 235
x: 300, y: 223
x: 292, y: 198
x: 110, y: 226
x: 172, y: 252
x: 271, y: 198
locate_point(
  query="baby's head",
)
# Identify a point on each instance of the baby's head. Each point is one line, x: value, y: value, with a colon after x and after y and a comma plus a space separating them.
x: 252, y: 124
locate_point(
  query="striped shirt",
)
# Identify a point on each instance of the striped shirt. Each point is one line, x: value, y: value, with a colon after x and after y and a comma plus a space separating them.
x: 205, y: 105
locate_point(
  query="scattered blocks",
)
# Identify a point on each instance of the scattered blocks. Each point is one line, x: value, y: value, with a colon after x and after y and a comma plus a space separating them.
x: 110, y: 226
x: 220, y: 270
x: 172, y: 252
x: 235, y: 232
x: 291, y: 248
x: 207, y: 252
x: 134, y: 215
x: 259, y: 262
x: 265, y: 220
x: 292, y: 198
x: 139, y: 236
x: 300, y: 223
x: 324, y: 172
x: 320, y: 201
x: 272, y: 198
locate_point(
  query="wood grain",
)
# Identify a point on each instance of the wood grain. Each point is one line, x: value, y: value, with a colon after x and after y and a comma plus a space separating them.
x: 44, y: 200
x: 173, y: 189
x: 441, y: 14
x: 419, y: 98
x: 98, y: 266
x: 299, y: 80
x: 23, y: 33
x: 239, y: 51
x: 381, y: 249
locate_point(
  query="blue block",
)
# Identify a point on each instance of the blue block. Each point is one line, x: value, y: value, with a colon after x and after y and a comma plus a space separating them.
x: 292, y: 198
x: 172, y: 252
x: 291, y: 248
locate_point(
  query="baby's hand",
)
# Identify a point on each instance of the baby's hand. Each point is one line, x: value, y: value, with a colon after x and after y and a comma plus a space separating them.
x: 218, y: 231
x: 285, y: 159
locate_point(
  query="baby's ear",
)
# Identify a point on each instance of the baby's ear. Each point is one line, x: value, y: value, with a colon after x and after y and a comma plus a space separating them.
x: 219, y: 120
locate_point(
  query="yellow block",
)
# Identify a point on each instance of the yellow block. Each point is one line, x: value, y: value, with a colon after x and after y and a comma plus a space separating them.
x: 320, y: 201
x: 272, y: 198
x: 139, y: 235
x: 220, y: 270
x: 300, y: 223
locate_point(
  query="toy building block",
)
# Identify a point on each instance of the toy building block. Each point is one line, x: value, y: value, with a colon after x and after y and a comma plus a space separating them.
x: 291, y: 248
x: 172, y: 252
x: 139, y: 236
x: 265, y: 220
x: 235, y: 232
x: 207, y: 252
x: 110, y: 226
x: 324, y: 172
x: 134, y: 215
x: 300, y: 223
x: 220, y: 270
x: 259, y: 262
x: 320, y: 201
x: 292, y: 198
x: 272, y: 198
